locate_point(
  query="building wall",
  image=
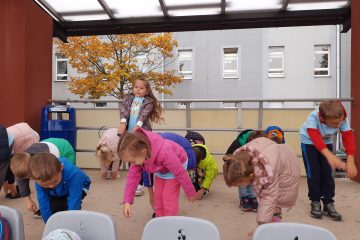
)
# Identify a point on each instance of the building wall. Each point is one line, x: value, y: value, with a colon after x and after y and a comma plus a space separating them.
x: 299, y: 80
x: 253, y: 80
x: 208, y: 81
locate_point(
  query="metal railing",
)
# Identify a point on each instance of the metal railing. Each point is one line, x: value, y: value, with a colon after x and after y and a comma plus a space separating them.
x: 188, y: 109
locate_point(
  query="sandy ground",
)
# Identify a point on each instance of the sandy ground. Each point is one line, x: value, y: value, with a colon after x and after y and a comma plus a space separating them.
x: 220, y: 207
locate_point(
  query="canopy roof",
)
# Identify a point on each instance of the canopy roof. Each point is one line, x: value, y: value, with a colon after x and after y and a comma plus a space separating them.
x: 98, y: 17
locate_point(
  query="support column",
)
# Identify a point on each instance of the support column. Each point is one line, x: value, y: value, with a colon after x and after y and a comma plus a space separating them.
x: 25, y: 62
x: 355, y: 78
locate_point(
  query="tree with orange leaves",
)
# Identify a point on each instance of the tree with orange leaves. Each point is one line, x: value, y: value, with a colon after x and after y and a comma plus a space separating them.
x: 108, y: 65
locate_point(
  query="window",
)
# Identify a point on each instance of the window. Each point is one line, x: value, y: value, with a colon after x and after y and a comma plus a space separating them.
x: 61, y: 68
x: 276, y: 61
x: 185, y: 64
x: 230, y: 63
x: 321, y: 60
x: 182, y: 105
x: 228, y: 104
x: 100, y: 105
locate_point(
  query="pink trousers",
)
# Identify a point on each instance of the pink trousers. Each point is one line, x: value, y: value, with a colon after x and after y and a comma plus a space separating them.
x: 167, y: 193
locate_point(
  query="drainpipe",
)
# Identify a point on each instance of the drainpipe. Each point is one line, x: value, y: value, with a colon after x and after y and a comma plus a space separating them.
x: 338, y: 76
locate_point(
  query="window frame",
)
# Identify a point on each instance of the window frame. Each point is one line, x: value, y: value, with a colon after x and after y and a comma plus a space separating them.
x: 276, y: 72
x: 237, y: 63
x: 328, y: 52
x: 62, y: 59
x: 184, y: 73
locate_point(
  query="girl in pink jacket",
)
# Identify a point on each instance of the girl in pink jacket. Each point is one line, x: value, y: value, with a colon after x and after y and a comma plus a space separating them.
x: 273, y: 170
x: 148, y: 151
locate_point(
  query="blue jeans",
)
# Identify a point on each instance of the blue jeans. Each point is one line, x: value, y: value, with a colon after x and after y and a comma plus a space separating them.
x: 246, y: 191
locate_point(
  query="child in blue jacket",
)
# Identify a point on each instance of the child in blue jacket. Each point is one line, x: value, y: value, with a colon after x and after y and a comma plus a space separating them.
x: 60, y: 186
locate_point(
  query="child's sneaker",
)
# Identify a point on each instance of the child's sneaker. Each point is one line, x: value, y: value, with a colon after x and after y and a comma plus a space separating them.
x: 254, y: 204
x: 139, y: 191
x: 277, y: 217
x: 315, y: 211
x: 206, y: 193
x: 329, y: 210
x: 245, y: 204
x: 37, y: 214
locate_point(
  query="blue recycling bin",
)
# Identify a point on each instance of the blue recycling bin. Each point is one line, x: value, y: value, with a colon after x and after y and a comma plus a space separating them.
x: 59, y: 122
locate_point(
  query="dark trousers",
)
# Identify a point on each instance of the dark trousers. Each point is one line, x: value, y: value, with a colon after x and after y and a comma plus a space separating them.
x: 58, y: 204
x: 320, y: 180
x: 4, y: 166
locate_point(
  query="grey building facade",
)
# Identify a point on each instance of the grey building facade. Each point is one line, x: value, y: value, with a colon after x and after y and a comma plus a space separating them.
x: 271, y: 63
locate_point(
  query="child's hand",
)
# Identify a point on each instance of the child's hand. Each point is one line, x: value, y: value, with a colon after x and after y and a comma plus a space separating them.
x: 30, y: 204
x: 199, y: 194
x: 351, y: 170
x: 335, y: 162
x: 192, y: 199
x: 122, y: 128
x: 127, y: 210
x: 136, y: 128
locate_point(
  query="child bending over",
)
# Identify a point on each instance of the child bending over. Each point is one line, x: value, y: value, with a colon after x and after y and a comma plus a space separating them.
x: 60, y: 186
x: 149, y: 151
x: 316, y: 137
x: 274, y: 171
x: 206, y: 170
x: 106, y: 152
x: 248, y: 201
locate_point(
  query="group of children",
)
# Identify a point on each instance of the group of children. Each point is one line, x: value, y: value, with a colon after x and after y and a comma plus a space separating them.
x: 264, y: 168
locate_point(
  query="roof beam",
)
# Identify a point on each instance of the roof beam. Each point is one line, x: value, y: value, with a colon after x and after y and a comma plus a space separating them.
x: 223, y: 3
x: 51, y: 11
x: 106, y: 9
x: 285, y: 5
x: 163, y: 8
x: 208, y: 22
x: 59, y: 32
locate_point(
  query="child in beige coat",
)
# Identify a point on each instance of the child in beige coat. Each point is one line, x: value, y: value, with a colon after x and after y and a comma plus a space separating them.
x: 274, y: 171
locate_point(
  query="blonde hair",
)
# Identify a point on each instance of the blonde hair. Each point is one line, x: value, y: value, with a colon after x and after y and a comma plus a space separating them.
x: 43, y: 166
x: 132, y: 143
x: 155, y: 115
x: 103, y: 153
x: 237, y: 167
x: 331, y: 109
x: 19, y: 165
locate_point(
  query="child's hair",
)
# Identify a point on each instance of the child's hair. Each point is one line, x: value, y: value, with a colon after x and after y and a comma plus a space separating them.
x: 200, y: 153
x: 237, y: 167
x: 256, y: 134
x: 133, y: 143
x: 44, y: 166
x: 103, y: 153
x: 331, y: 109
x: 155, y: 115
x: 19, y: 165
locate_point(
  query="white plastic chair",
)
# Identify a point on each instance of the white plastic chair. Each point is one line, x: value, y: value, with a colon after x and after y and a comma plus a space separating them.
x: 291, y: 231
x: 87, y: 224
x: 13, y: 216
x: 180, y: 228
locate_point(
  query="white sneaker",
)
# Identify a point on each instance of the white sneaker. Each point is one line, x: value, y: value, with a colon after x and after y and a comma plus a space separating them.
x: 139, y: 191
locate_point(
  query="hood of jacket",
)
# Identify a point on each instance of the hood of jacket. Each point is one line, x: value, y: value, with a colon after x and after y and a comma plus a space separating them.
x: 243, y: 136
